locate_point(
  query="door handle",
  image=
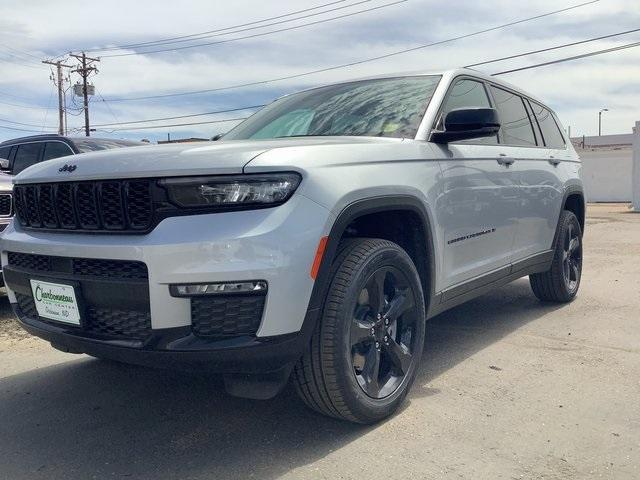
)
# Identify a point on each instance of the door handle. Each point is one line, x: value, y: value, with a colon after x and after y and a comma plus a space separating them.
x: 504, y: 160
x: 554, y: 161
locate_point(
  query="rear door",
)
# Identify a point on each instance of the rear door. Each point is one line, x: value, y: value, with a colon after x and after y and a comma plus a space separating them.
x: 478, y: 208
x: 540, y: 187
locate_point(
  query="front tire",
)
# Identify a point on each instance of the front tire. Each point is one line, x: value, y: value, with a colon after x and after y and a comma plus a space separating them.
x: 367, y: 346
x: 561, y: 282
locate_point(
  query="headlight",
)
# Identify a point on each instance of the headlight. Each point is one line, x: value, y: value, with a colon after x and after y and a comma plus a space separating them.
x: 232, y: 191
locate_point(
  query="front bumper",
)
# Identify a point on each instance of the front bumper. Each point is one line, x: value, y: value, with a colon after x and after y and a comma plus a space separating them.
x: 276, y: 245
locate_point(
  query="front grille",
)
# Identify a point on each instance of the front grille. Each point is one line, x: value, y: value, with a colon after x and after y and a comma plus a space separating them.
x: 129, y: 324
x: 5, y: 205
x: 97, y: 206
x: 226, y: 315
x: 91, y: 267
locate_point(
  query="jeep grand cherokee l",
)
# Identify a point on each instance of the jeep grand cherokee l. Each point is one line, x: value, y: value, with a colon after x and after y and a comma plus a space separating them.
x: 312, y: 243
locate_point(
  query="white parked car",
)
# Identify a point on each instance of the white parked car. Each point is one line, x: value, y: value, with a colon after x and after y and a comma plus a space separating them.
x: 311, y: 243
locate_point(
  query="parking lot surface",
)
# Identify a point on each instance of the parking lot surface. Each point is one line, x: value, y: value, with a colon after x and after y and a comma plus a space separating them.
x: 509, y: 388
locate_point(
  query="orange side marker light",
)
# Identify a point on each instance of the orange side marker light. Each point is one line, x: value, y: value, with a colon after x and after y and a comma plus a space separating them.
x: 315, y: 268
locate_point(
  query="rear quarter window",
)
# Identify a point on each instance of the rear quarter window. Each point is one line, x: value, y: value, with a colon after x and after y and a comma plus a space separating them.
x: 517, y: 129
x: 551, y: 132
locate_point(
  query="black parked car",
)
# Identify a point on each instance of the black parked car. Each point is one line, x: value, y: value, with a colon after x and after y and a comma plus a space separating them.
x: 20, y: 153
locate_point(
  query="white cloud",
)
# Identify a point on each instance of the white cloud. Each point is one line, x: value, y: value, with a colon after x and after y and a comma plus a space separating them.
x: 45, y: 28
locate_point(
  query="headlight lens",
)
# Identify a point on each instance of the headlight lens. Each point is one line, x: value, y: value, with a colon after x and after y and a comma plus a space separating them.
x: 232, y: 191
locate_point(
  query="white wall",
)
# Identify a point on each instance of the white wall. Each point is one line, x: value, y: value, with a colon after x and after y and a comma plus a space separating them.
x: 607, y: 174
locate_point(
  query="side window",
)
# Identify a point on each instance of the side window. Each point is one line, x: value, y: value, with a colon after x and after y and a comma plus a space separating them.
x: 467, y: 93
x: 56, y: 150
x: 551, y: 132
x: 4, y: 152
x: 516, y: 124
x: 27, y: 155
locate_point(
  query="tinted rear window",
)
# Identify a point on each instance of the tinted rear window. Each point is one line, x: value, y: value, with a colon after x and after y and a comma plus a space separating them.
x: 516, y: 125
x: 550, y: 131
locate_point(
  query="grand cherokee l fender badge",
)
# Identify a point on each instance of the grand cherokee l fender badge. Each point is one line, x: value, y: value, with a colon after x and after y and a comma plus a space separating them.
x: 472, y: 235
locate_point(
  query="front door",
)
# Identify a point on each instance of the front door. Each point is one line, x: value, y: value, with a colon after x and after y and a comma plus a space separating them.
x: 478, y: 208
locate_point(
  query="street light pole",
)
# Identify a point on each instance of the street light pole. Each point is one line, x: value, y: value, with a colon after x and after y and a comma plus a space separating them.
x: 600, y: 120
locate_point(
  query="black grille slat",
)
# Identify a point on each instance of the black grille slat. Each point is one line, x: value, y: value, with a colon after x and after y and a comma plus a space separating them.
x: 5, y: 204
x: 47, y: 207
x: 110, y: 268
x: 111, y: 206
x: 91, y: 267
x: 21, y: 206
x: 40, y: 263
x: 226, y: 315
x: 31, y: 202
x: 116, y: 323
x: 139, y: 204
x: 93, y: 206
x: 65, y: 205
x: 87, y: 206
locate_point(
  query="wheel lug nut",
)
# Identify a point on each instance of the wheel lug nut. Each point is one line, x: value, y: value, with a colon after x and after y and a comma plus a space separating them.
x: 386, y: 339
x: 379, y: 316
x: 377, y: 344
x: 386, y: 321
x: 373, y: 331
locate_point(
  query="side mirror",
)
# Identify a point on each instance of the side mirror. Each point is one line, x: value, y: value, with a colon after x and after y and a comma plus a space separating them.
x: 466, y: 123
x: 4, y: 164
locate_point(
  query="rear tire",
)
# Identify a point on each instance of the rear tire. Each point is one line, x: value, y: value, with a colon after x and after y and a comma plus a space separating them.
x: 560, y: 284
x: 365, y: 351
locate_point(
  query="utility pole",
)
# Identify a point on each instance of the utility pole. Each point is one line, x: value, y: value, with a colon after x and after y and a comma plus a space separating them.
x: 59, y: 82
x: 600, y: 120
x: 85, y: 69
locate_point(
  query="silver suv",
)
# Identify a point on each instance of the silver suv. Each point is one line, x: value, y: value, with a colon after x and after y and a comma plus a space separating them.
x: 311, y: 243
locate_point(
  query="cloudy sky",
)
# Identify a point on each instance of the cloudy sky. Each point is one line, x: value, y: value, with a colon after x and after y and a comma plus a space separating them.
x: 31, y: 30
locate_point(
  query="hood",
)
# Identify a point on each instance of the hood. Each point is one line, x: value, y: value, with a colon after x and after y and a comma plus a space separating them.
x: 203, y: 158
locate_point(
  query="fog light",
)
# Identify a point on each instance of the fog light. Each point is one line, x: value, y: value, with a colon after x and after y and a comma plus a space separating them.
x: 252, y: 286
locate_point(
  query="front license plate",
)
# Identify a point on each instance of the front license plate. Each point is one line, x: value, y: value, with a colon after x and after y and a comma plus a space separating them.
x: 56, y: 302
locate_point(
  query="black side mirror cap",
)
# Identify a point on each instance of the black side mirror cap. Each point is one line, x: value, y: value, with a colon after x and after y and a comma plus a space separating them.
x: 467, y: 123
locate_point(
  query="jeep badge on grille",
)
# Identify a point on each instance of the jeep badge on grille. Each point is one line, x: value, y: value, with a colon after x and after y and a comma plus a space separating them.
x: 67, y: 168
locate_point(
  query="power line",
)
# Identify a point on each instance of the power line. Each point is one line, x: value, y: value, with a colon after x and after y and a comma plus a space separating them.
x: 252, y: 107
x: 234, y: 29
x: 568, y: 59
x: 21, y: 106
x: 20, y: 129
x: 25, y: 124
x: 180, y: 124
x: 532, y: 52
x: 351, y: 64
x: 317, y: 22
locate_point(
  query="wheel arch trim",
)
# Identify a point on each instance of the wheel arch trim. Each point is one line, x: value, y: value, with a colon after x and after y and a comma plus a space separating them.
x: 367, y: 206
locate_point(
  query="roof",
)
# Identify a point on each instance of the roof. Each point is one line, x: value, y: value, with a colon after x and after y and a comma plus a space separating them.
x: 32, y: 138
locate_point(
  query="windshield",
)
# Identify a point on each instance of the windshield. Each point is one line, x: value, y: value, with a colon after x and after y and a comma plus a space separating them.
x: 91, y: 145
x: 390, y: 107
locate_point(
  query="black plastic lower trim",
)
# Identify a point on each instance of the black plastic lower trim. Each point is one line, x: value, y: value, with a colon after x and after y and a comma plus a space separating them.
x: 180, y: 348
x: 471, y: 289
